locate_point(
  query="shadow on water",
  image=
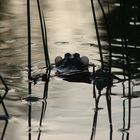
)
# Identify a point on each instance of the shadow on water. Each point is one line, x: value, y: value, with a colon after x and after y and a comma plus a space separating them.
x: 120, y: 20
x: 120, y: 26
x: 122, y: 30
x: 123, y: 18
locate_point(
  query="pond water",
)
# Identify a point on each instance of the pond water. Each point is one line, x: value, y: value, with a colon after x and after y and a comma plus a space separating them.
x: 69, y: 110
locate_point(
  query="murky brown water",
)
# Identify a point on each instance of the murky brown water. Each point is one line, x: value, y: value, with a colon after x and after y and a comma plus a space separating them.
x: 70, y: 107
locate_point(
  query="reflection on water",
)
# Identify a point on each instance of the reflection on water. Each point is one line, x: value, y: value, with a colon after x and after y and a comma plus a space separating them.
x: 95, y: 117
x: 126, y: 118
x: 6, y: 116
x: 42, y: 108
x: 69, y: 106
x: 4, y: 127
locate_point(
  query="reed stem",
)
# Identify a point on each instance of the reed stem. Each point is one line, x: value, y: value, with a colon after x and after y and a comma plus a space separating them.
x: 97, y: 33
x: 44, y: 34
x: 29, y: 38
x: 109, y: 35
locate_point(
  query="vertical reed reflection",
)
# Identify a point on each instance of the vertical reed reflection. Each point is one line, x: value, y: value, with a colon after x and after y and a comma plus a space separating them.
x: 102, y: 80
x: 44, y: 77
x: 94, y: 125
x: 126, y: 109
x: 29, y: 111
x: 126, y: 115
x: 95, y: 117
x: 97, y: 99
x: 44, y: 106
x: 3, y: 118
x: 126, y: 118
x: 4, y: 95
x: 43, y: 109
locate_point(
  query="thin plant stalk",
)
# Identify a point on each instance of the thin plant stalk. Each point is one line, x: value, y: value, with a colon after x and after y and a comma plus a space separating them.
x: 4, y: 108
x: 109, y: 35
x: 29, y: 38
x: 46, y: 41
x: 124, y: 35
x: 108, y: 100
x: 97, y: 33
x: 6, y: 88
x: 4, y: 83
x: 44, y: 34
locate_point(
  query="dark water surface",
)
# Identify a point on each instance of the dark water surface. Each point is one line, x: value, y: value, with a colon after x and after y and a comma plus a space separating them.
x: 68, y: 112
